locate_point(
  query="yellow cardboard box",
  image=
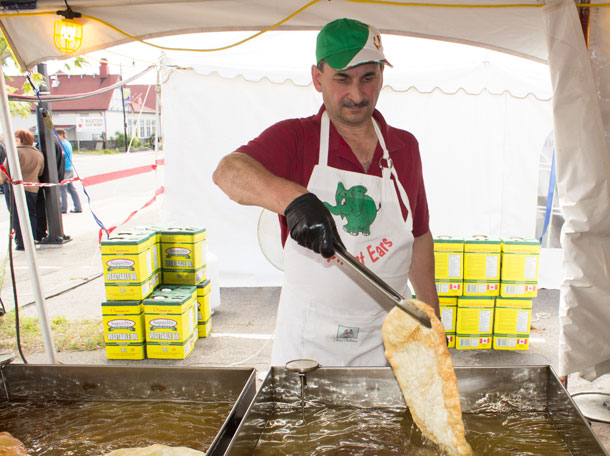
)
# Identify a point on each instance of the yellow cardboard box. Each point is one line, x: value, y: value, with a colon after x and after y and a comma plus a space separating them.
x: 448, y: 261
x: 170, y: 316
x: 170, y: 350
x: 450, y: 340
x: 448, y: 307
x: 128, y: 261
x: 119, y: 291
x: 124, y: 333
x: 204, y: 313
x: 155, y: 256
x: 474, y: 322
x: 205, y: 328
x: 512, y: 323
x: 482, y: 265
x: 519, y: 273
x: 183, y: 253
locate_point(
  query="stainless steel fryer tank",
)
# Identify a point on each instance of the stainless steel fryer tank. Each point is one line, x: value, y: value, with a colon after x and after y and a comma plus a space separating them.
x: 482, y: 389
x: 40, y: 383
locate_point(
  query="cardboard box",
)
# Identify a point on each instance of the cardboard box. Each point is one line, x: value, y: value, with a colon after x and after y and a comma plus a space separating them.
x: 205, y: 327
x: 474, y: 326
x: 448, y: 307
x: 448, y: 262
x: 128, y: 261
x: 450, y: 340
x: 183, y: 255
x: 170, y: 317
x: 170, y: 350
x: 204, y: 312
x: 119, y: 291
x: 482, y: 255
x: 512, y: 321
x: 124, y: 333
x: 519, y: 273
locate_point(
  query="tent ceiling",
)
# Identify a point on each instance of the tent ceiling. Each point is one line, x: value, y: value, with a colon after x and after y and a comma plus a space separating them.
x: 516, y: 30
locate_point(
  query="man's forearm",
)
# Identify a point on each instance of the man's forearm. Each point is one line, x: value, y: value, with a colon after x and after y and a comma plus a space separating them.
x: 248, y: 182
x: 421, y: 273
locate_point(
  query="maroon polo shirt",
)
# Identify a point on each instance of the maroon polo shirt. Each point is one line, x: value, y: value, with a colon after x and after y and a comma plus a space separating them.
x: 290, y: 149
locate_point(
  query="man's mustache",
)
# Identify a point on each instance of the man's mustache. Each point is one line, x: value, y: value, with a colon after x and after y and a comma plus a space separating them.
x: 352, y: 104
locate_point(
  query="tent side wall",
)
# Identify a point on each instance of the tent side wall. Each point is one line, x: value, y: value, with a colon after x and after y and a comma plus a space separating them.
x: 480, y: 155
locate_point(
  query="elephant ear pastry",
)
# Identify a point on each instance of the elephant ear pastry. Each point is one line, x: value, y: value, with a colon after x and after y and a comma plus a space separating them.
x: 156, y: 450
x: 10, y: 446
x: 424, y: 370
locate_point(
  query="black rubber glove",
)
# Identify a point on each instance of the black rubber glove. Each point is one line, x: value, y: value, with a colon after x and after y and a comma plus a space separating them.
x: 311, y: 224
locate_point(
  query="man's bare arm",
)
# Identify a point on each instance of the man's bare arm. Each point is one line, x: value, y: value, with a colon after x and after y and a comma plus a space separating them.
x: 246, y: 181
x: 421, y: 273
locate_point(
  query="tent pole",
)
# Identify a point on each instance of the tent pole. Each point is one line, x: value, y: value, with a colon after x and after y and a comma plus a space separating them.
x: 24, y: 220
x: 585, y: 19
x: 157, y: 123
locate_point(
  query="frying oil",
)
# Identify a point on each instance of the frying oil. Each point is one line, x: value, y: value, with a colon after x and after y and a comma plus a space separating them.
x: 62, y: 428
x: 378, y: 432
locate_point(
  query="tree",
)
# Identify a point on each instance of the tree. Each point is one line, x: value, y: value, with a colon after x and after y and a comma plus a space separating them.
x: 23, y: 108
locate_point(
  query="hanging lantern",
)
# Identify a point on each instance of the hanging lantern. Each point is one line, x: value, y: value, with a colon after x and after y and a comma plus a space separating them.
x: 68, y: 35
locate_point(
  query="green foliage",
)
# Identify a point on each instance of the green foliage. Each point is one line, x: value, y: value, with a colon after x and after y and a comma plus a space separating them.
x: 20, y: 108
x: 68, y: 335
x: 120, y: 140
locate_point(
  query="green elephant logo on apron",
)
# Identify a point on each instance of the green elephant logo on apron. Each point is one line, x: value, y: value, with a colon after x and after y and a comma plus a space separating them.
x: 354, y: 205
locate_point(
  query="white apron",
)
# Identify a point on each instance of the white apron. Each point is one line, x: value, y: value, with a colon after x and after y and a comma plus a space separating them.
x: 323, y: 313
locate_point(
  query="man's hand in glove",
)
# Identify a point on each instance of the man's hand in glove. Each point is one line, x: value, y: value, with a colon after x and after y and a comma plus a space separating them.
x: 311, y: 224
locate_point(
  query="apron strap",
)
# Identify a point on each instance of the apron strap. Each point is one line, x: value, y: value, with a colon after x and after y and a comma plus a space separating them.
x: 324, y: 139
x: 387, y: 170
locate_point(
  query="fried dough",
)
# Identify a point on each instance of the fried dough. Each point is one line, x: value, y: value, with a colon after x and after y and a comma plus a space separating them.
x: 424, y: 370
x: 10, y: 446
x: 156, y: 450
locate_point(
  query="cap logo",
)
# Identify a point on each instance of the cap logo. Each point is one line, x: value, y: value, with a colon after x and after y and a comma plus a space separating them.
x: 377, y: 41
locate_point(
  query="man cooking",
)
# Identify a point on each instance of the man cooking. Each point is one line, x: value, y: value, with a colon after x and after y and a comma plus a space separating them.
x: 342, y: 167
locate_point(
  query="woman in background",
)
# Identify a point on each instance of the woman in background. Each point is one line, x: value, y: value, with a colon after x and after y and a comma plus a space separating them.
x: 31, y: 161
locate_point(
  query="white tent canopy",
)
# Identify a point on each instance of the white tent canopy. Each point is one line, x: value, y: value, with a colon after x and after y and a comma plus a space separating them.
x: 517, y: 30
x: 581, y: 106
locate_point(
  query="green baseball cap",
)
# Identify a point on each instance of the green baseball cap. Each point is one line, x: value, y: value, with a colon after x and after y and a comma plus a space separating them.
x: 345, y: 43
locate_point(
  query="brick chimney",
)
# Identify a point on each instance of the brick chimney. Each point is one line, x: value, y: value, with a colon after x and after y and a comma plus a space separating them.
x: 103, y: 68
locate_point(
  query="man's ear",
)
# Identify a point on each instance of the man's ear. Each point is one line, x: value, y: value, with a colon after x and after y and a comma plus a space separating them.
x: 316, y: 76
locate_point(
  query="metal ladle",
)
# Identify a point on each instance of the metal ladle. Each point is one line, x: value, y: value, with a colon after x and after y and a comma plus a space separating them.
x: 302, y: 367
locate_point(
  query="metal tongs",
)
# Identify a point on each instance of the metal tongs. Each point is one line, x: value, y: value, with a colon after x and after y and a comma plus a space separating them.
x: 392, y: 295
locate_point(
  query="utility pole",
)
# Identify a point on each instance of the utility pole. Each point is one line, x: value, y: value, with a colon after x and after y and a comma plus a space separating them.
x: 46, y: 143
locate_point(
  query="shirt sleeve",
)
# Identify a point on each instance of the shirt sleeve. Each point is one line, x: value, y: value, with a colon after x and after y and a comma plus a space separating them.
x: 277, y: 148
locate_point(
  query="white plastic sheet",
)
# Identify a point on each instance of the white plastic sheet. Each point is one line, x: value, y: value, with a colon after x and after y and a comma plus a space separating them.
x: 480, y: 156
x: 583, y: 180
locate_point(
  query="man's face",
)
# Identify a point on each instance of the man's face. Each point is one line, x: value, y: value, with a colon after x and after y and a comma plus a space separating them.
x: 350, y: 96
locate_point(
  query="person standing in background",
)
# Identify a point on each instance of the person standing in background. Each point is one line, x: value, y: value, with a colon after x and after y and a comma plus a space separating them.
x: 69, y: 187
x: 32, y: 165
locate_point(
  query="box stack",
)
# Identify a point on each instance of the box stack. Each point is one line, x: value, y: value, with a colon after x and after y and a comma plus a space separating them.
x: 490, y: 304
x: 140, y: 319
x: 448, y: 260
x: 482, y: 266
